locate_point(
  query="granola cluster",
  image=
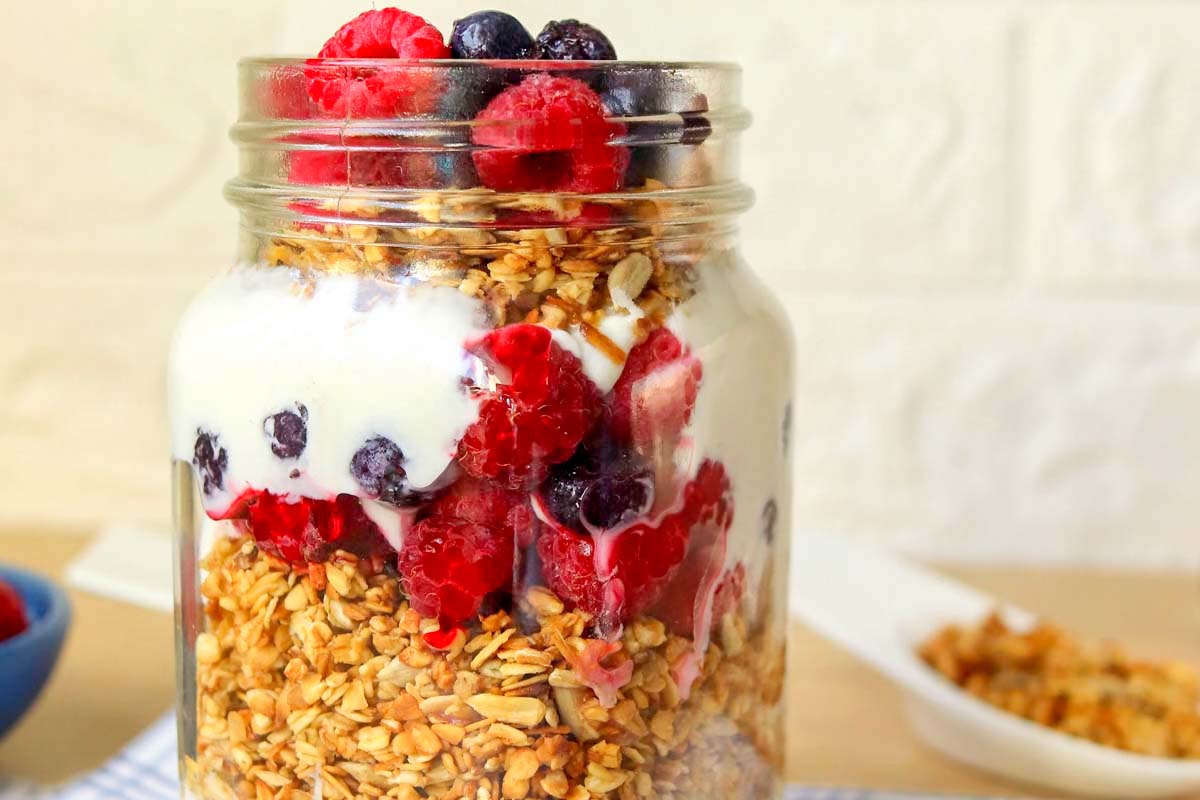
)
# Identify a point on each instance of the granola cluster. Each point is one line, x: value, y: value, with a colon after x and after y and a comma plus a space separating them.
x: 1099, y: 693
x: 524, y: 267
x: 322, y: 682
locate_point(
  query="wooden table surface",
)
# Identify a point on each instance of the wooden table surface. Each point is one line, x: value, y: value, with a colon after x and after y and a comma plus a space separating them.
x: 845, y: 724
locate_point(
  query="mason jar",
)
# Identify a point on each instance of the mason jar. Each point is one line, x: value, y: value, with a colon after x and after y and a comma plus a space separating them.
x: 480, y: 443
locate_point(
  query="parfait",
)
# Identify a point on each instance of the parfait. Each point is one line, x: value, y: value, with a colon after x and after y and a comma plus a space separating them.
x: 481, y: 443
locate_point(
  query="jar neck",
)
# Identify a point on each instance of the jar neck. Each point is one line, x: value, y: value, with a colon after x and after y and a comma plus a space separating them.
x: 653, y: 144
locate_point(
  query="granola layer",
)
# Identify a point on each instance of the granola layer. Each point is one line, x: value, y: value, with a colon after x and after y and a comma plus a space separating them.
x: 546, y: 262
x: 323, y: 676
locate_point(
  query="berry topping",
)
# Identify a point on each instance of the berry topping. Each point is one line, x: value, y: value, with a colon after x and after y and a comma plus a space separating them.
x: 730, y: 591
x: 210, y: 461
x: 491, y: 34
x: 448, y: 566
x: 309, y: 531
x: 559, y: 142
x: 506, y: 512
x: 386, y: 33
x: 708, y: 498
x: 599, y: 488
x: 572, y: 40
x: 444, y: 638
x: 629, y: 94
x: 613, y: 576
x: 603, y: 678
x: 288, y: 431
x: 689, y: 598
x: 372, y: 91
x: 378, y: 466
x: 534, y: 409
x: 12, y: 613
x: 365, y: 161
x: 654, y: 397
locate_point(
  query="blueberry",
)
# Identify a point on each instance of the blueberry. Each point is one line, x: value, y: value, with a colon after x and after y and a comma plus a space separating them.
x: 456, y: 171
x: 770, y: 516
x: 491, y: 34
x: 378, y: 466
x: 572, y: 40
x: 630, y: 94
x: 696, y: 128
x: 287, y: 431
x: 210, y: 461
x: 601, y: 487
x: 614, y: 499
x: 678, y: 112
x: 469, y: 89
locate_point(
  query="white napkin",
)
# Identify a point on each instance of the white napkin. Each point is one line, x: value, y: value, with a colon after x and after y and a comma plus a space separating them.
x: 127, y: 563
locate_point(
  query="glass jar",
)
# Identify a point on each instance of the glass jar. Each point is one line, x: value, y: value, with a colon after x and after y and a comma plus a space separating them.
x: 480, y: 446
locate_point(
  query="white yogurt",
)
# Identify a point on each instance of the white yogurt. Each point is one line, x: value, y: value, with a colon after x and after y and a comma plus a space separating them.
x: 620, y: 329
x: 365, y: 357
x: 731, y: 325
x: 371, y: 358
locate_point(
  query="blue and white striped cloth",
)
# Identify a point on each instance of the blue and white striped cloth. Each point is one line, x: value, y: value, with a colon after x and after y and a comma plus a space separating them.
x: 146, y: 770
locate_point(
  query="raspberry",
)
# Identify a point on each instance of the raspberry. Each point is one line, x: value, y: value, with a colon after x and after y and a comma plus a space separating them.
x: 386, y: 33
x: 355, y: 164
x: 448, y: 566
x: 13, y: 620
x: 654, y: 397
x: 730, y: 591
x: 614, y: 577
x: 708, y: 497
x: 285, y: 94
x: 506, y: 513
x: 374, y: 91
x: 604, y: 679
x: 560, y: 142
x: 443, y: 638
x: 708, y: 504
x: 309, y: 531
x: 540, y: 408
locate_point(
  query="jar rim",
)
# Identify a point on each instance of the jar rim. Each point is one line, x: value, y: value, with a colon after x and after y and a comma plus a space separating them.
x: 268, y: 61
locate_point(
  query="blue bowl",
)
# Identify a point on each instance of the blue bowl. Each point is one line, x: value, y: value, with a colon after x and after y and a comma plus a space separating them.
x: 27, y: 659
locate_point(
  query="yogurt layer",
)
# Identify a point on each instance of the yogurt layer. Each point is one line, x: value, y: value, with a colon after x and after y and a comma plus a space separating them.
x: 730, y: 325
x: 369, y: 358
x: 365, y: 357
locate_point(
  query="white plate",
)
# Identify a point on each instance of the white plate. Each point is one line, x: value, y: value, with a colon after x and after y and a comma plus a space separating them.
x: 881, y: 608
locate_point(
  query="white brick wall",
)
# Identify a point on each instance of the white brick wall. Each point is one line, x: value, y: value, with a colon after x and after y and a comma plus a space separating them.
x: 984, y: 217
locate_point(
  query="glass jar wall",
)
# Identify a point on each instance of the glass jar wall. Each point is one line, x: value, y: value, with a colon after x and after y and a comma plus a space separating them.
x: 481, y: 449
